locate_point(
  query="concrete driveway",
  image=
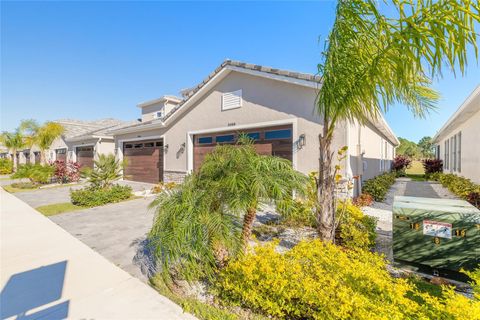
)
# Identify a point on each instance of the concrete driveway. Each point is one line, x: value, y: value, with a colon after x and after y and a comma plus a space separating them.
x: 116, y: 231
x: 44, y: 196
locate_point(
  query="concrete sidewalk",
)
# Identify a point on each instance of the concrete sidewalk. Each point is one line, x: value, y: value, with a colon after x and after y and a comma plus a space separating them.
x: 47, y: 273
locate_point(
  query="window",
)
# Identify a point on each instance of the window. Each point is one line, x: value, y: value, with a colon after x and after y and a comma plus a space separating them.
x: 459, y: 152
x: 278, y: 134
x: 205, y: 140
x: 225, y: 138
x: 454, y: 152
x: 437, y: 152
x: 61, y: 151
x: 451, y: 164
x: 159, y: 114
x: 148, y: 144
x: 231, y: 100
x: 445, y: 164
x: 138, y: 145
x: 128, y: 146
x: 159, y: 144
x: 253, y: 135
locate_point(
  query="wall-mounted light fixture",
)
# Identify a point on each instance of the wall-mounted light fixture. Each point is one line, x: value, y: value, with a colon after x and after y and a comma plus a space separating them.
x: 302, y: 141
x: 183, y: 145
x: 165, y: 148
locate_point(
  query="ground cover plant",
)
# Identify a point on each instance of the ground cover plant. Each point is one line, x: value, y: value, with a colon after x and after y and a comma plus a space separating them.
x: 66, y: 171
x: 460, y: 186
x: 101, y: 189
x: 378, y: 187
x: 318, y: 280
x: 6, y: 166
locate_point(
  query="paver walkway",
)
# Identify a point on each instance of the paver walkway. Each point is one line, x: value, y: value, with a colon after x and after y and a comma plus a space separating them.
x: 46, y: 273
x: 116, y: 231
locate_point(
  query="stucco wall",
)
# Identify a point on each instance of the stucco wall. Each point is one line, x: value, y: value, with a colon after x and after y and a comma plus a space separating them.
x: 470, y: 148
x: 148, y: 112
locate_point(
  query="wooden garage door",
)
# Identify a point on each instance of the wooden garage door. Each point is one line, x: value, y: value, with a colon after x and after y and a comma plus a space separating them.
x: 85, y: 156
x: 61, y: 154
x: 37, y: 157
x: 275, y: 141
x: 144, y: 161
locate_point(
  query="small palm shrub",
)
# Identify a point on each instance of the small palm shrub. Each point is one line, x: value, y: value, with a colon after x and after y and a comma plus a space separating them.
x: 36, y: 173
x: 6, y: 166
x: 400, y: 164
x: 94, y: 196
x: 161, y: 186
x: 378, y: 187
x: 107, y: 170
x: 318, y: 280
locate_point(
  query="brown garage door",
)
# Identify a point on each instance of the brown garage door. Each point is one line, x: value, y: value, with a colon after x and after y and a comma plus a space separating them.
x: 85, y: 156
x: 275, y: 141
x: 61, y: 154
x: 144, y: 161
x: 37, y: 157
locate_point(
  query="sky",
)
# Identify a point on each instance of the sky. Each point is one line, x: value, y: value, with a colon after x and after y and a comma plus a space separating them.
x: 90, y: 60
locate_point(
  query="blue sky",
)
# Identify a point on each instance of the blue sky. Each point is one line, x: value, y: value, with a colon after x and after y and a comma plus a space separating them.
x: 90, y: 60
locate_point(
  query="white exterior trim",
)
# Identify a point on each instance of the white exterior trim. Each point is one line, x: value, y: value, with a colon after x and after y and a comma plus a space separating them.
x: 292, y: 121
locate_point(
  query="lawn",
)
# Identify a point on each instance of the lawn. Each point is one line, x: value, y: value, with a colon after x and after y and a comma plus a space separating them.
x: 13, y: 189
x: 57, y: 208
x: 416, y: 171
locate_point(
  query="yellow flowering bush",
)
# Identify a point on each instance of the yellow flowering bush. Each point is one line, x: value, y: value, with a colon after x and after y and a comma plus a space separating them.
x: 355, y: 230
x: 317, y: 280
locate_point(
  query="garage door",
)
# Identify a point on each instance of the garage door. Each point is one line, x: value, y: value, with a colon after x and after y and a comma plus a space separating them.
x: 61, y: 154
x: 85, y: 156
x: 275, y: 141
x: 144, y: 161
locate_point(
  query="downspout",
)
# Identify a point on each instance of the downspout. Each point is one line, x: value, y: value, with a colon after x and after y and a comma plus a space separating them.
x: 348, y: 167
x: 359, y: 160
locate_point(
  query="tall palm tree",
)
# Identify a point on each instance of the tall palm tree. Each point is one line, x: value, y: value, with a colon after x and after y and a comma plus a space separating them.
x: 372, y: 61
x: 14, y: 141
x: 42, y: 136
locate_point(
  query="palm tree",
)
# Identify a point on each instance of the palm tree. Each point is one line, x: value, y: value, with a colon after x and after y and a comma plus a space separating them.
x: 14, y: 141
x: 209, y: 218
x: 42, y: 136
x: 248, y: 181
x: 372, y: 61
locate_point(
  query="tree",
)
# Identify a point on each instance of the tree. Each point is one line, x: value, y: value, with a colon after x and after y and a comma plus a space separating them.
x: 14, y: 141
x: 372, y: 60
x: 426, y: 147
x: 42, y: 136
x: 209, y: 218
x: 407, y: 148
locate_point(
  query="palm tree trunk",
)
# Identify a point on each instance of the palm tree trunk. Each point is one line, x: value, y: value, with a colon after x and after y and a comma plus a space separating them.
x: 325, y: 210
x: 248, y: 220
x: 14, y: 157
x: 42, y: 157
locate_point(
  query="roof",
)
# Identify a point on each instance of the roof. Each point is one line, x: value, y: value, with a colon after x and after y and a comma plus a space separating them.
x: 75, y: 128
x: 192, y: 94
x: 470, y: 106
x: 165, y: 98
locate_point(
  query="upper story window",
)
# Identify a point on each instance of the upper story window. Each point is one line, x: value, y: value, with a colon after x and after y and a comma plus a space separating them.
x: 159, y: 114
x: 232, y: 100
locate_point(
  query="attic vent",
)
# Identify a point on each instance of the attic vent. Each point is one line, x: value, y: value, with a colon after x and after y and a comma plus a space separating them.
x: 232, y: 100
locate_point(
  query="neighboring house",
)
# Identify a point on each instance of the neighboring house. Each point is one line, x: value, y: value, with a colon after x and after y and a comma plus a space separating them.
x: 82, y: 142
x: 457, y: 143
x: 274, y: 107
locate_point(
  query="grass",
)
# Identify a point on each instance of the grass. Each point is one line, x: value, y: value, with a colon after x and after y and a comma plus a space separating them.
x: 57, y: 208
x: 12, y: 189
x: 416, y: 168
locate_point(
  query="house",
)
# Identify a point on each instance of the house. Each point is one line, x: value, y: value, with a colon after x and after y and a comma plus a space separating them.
x: 82, y: 142
x: 457, y: 143
x: 274, y: 107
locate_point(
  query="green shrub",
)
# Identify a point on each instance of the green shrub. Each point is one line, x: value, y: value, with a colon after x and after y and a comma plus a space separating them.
x: 460, y: 186
x: 24, y: 185
x: 36, y: 173
x: 94, y: 196
x: 6, y: 166
x: 378, y: 187
x: 355, y: 230
x: 317, y: 280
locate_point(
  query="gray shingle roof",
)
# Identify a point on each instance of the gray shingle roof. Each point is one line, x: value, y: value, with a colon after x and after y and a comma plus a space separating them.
x: 75, y: 128
x: 188, y: 93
